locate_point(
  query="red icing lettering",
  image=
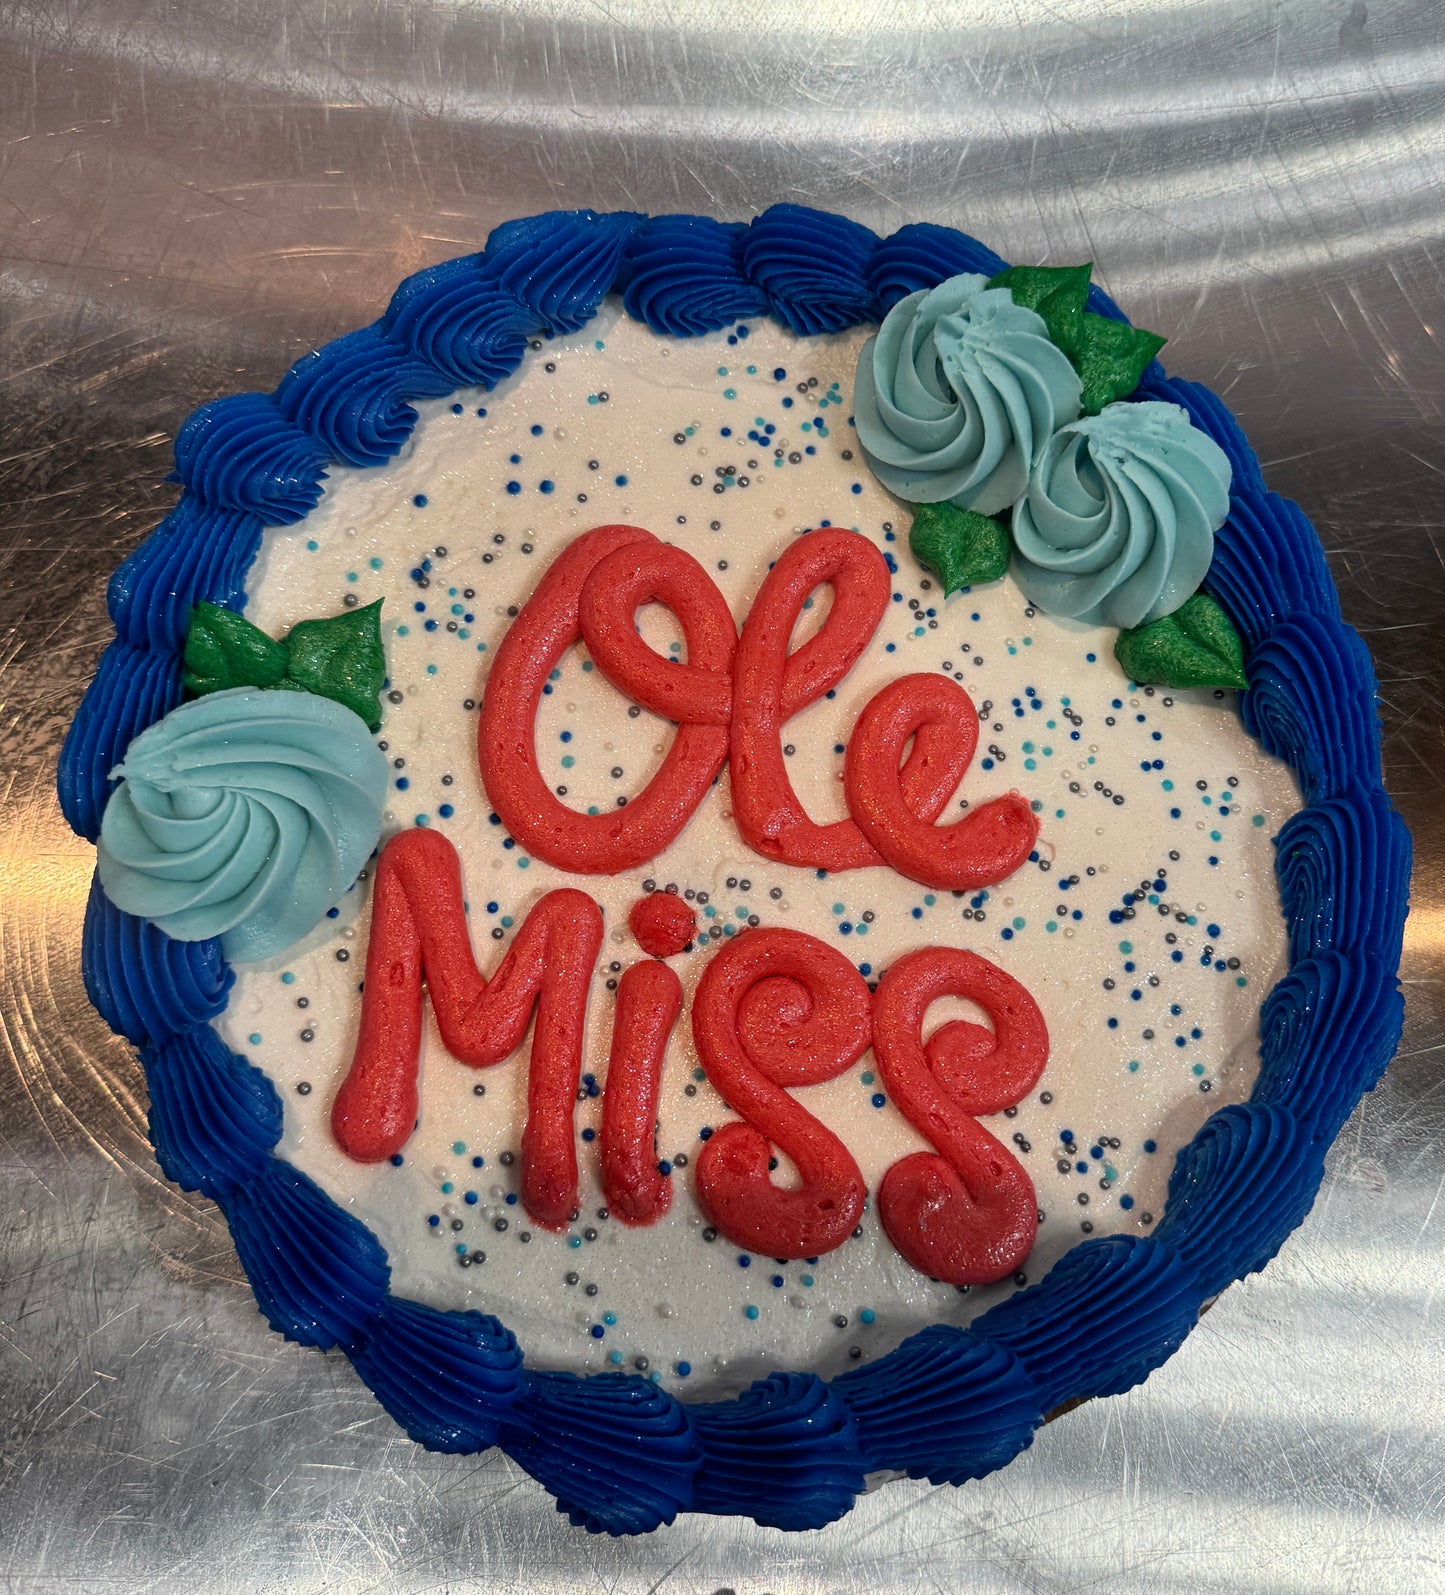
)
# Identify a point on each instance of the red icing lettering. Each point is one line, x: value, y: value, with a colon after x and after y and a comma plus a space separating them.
x: 967, y: 1215
x: 649, y: 997
x: 985, y: 846
x: 549, y: 624
x: 730, y: 701
x: 776, y: 1008
x: 662, y: 923
x: 419, y: 932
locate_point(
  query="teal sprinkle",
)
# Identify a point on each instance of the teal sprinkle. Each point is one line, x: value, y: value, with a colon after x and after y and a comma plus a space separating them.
x: 375, y: 563
x: 866, y: 1316
x: 351, y: 576
x: 524, y: 863
x: 1126, y: 947
x: 609, y: 1319
x: 403, y: 631
x: 730, y: 393
x: 837, y: 908
x: 807, y: 1282
x: 567, y: 761
x: 742, y: 913
x: 312, y: 544
x: 574, y: 1241
x: 614, y: 1357
x: 750, y: 1311
x: 288, y: 979
x: 458, y: 1147
x: 1031, y: 764
x: 587, y: 666
x: 447, y: 1187
x: 1018, y: 924
x: 1051, y: 927
x: 431, y: 670
x: 507, y: 922
x: 1258, y: 819
x: 255, y: 1039
x: 463, y: 631
x: 1198, y: 1069
x: 866, y: 1077
x: 1133, y: 1066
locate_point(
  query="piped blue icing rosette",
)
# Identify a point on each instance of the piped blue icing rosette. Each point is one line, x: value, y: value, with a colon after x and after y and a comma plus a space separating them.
x: 1117, y: 525
x: 245, y: 815
x: 957, y: 394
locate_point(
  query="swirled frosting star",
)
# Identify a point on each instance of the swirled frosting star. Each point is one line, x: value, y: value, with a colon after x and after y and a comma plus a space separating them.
x: 957, y: 394
x: 243, y: 815
x: 1117, y: 526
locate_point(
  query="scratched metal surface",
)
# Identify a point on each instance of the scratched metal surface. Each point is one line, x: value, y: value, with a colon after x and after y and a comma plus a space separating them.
x: 192, y: 194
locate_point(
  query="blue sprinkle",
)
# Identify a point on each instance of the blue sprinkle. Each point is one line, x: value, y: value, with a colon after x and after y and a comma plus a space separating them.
x: 744, y: 1261
x: 598, y: 1331
x: 420, y: 501
x: 514, y: 488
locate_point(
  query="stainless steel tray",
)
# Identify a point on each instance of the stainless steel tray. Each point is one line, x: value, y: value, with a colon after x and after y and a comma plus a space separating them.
x: 191, y: 196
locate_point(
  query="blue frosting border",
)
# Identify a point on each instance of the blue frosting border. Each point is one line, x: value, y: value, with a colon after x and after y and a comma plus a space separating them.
x: 620, y: 1454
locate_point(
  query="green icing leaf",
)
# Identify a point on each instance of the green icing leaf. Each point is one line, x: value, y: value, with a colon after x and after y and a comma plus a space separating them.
x: 1196, y: 646
x: 223, y: 649
x: 1110, y: 359
x: 1109, y: 355
x: 1057, y: 293
x: 341, y: 658
x: 962, y: 547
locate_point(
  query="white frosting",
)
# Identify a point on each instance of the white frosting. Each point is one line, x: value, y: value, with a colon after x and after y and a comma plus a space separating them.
x: 608, y: 404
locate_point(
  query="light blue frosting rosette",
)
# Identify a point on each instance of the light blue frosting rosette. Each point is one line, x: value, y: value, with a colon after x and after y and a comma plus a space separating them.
x: 1117, y: 526
x: 245, y: 815
x: 957, y: 394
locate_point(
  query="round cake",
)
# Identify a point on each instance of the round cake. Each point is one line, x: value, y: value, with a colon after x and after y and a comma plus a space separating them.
x: 746, y: 856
